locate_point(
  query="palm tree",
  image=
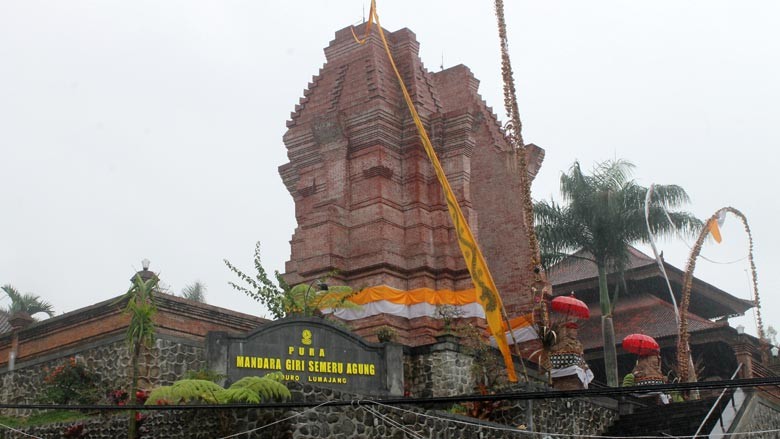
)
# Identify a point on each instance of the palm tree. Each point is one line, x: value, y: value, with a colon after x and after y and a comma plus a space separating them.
x: 603, y: 215
x: 195, y: 291
x: 27, y: 303
x: 140, y: 331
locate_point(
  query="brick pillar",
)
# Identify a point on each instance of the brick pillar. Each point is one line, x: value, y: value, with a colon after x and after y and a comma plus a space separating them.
x: 743, y: 351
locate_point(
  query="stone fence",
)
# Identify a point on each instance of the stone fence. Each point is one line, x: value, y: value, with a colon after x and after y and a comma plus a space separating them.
x: 359, y: 419
x: 109, y: 359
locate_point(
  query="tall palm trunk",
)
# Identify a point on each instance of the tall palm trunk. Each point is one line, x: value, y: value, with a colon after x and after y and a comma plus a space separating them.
x: 607, y: 329
x: 132, y: 426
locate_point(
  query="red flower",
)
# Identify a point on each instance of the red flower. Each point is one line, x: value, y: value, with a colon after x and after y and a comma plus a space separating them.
x: 141, y: 396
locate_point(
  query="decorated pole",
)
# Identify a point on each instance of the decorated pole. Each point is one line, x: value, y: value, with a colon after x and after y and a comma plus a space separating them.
x: 710, y: 227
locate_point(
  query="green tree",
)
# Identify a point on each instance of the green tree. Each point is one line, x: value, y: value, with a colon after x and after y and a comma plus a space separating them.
x: 604, y: 214
x: 28, y: 303
x: 140, y: 331
x: 195, y: 291
x: 260, y: 287
x: 282, y: 299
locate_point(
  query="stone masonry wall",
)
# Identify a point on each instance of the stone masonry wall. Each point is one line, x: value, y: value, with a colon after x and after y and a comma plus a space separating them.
x: 358, y: 419
x: 110, y: 360
x: 574, y: 416
x: 764, y: 415
x: 440, y: 373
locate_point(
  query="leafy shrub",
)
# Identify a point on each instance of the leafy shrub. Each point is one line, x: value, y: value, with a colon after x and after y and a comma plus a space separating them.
x: 385, y: 334
x: 250, y: 390
x: 71, y: 383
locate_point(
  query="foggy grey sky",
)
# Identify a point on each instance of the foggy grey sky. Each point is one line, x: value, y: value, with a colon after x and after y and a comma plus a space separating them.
x: 150, y: 129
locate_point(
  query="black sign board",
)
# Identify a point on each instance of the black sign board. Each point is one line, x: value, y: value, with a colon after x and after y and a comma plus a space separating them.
x: 309, y: 351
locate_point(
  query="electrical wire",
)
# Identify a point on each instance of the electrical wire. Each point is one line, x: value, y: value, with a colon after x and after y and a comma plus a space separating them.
x: 393, y: 405
x: 392, y: 422
x: 506, y: 396
x: 277, y: 422
x: 545, y: 434
x: 19, y: 431
x: 682, y: 239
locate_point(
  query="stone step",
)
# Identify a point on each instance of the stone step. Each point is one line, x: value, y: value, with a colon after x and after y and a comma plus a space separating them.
x: 675, y: 419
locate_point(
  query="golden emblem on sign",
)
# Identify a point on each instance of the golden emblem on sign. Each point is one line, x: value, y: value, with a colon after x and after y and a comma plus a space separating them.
x: 306, y: 337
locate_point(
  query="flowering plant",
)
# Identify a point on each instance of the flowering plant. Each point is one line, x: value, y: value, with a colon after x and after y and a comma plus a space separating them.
x: 118, y: 397
x: 70, y: 383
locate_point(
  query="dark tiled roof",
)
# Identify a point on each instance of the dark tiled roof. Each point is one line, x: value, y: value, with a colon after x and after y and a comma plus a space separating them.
x: 575, y: 268
x: 645, y: 314
x: 4, y: 325
x: 577, y: 273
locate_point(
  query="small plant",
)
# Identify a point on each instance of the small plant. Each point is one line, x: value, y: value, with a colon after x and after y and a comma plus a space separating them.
x: 487, y: 369
x: 70, y: 383
x: 385, y: 334
x: 118, y: 397
x: 448, y: 313
x: 458, y: 409
x: 141, y: 396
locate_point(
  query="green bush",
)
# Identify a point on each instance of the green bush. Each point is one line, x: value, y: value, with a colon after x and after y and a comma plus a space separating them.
x: 71, y: 383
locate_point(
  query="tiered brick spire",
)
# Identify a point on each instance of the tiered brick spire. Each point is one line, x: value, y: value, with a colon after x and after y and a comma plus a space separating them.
x: 366, y: 200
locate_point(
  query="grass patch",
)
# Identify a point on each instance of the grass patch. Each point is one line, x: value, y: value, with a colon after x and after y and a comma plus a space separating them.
x: 43, y: 418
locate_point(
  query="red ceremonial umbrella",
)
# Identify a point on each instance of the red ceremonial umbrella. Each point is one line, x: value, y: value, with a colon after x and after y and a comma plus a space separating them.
x: 571, y: 306
x: 641, y: 344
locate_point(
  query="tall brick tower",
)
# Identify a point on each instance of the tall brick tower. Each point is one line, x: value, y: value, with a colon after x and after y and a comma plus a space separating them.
x: 367, y: 202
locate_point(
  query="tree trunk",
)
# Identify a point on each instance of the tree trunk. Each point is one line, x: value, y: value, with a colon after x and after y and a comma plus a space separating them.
x: 132, y: 425
x: 607, y: 329
x: 610, y: 353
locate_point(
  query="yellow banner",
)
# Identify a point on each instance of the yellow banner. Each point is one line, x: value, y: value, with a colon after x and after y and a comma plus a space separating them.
x: 487, y: 293
x: 715, y: 230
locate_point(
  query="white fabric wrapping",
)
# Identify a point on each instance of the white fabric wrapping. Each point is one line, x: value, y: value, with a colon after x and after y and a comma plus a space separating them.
x: 585, y: 375
x: 408, y: 311
x: 526, y: 333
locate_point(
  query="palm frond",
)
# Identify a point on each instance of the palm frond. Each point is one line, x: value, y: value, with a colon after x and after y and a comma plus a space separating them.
x: 238, y: 395
x: 162, y: 395
x: 189, y: 391
x: 195, y: 291
x: 27, y: 303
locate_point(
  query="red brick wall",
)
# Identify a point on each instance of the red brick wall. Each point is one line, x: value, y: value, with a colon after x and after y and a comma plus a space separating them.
x: 367, y: 202
x: 175, y: 316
